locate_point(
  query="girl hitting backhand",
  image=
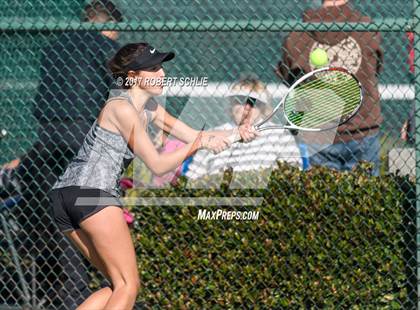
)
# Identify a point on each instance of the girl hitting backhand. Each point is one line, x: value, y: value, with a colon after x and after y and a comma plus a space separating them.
x: 85, y: 202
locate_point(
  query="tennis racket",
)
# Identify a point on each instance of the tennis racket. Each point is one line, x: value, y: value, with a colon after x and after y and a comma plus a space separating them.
x: 320, y: 100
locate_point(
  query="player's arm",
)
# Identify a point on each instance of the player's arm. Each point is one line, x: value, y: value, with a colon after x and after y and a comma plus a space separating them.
x: 183, y: 132
x: 168, y: 123
x: 179, y: 129
x: 126, y: 120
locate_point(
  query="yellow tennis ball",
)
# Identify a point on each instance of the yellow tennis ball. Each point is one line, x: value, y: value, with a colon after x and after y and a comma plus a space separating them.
x: 319, y: 58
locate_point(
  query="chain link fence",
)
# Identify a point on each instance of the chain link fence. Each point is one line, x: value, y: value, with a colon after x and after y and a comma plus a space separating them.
x: 300, y: 236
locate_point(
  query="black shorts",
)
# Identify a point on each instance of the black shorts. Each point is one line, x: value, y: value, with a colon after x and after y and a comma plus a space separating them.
x: 71, y: 205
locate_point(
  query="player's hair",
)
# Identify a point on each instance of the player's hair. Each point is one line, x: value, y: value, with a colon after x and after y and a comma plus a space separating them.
x: 252, y: 84
x: 125, y: 55
x: 101, y: 11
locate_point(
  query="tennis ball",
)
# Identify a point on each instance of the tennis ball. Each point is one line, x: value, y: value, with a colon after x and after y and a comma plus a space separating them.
x: 319, y: 58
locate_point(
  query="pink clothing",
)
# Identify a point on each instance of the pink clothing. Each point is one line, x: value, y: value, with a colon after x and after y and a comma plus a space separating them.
x: 171, y: 177
x: 128, y: 217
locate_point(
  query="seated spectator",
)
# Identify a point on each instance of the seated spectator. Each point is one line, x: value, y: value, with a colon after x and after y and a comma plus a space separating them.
x: 249, y: 101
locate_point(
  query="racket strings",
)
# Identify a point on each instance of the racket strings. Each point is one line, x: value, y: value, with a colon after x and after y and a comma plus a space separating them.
x: 313, y: 81
x: 303, y: 92
x: 338, y: 104
x: 313, y: 118
x: 316, y: 85
x: 303, y: 120
x: 319, y: 120
x: 328, y: 100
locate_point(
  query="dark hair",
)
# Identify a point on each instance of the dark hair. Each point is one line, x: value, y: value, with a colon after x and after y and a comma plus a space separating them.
x: 125, y: 55
x: 102, y: 9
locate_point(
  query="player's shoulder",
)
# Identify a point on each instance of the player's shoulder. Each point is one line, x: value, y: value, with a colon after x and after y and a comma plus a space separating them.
x: 120, y: 107
x: 119, y: 101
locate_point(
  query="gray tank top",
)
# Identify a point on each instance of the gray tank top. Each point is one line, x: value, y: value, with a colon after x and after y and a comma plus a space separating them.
x: 100, y: 160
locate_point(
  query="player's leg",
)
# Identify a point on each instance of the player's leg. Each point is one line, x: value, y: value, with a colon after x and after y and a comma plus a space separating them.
x: 111, y: 239
x: 98, y: 299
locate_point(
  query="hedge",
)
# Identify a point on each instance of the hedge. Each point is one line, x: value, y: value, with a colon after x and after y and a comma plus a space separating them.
x: 323, y: 239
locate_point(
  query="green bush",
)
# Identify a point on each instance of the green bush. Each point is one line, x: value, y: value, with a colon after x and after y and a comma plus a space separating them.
x: 323, y: 239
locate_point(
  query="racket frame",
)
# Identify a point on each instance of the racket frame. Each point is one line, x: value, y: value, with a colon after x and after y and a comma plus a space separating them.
x: 281, y: 104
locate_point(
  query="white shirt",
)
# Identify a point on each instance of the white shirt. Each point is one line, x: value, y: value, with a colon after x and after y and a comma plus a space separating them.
x: 262, y: 152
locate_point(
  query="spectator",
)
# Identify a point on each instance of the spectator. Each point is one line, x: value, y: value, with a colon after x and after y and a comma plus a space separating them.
x: 74, y: 82
x: 250, y: 101
x: 359, y: 52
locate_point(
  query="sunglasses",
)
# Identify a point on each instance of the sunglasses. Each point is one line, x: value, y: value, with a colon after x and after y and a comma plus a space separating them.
x: 244, y: 100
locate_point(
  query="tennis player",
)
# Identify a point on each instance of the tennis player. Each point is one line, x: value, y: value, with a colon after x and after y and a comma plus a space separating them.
x: 85, y: 202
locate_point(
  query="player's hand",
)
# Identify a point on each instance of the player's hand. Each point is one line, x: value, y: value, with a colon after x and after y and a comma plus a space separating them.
x: 215, y: 143
x: 247, y: 132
